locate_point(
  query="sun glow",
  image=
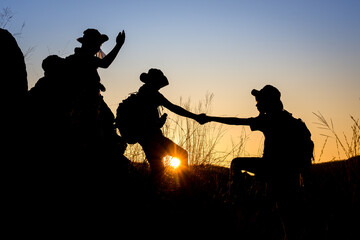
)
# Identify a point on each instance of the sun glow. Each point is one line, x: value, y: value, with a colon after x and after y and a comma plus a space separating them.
x: 174, y: 162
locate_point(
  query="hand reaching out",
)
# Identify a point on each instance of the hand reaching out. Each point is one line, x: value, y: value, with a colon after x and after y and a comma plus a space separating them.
x: 120, y: 39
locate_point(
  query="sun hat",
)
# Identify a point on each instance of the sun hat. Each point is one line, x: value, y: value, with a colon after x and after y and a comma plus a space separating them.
x: 154, y: 77
x: 93, y: 36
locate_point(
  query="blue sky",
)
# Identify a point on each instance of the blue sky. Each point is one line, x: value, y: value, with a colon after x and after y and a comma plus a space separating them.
x: 309, y: 49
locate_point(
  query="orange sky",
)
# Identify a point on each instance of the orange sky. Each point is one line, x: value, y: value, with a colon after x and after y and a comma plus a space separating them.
x: 309, y: 50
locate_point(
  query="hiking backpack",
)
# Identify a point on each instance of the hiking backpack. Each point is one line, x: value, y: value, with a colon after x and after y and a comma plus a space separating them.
x: 129, y: 117
x: 138, y: 117
x: 303, y: 143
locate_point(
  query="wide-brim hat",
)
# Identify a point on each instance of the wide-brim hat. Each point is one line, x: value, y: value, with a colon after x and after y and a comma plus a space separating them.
x: 268, y: 93
x: 154, y: 77
x: 93, y: 36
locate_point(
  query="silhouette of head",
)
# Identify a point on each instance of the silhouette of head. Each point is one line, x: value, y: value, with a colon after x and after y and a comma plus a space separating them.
x: 268, y: 99
x: 52, y: 65
x: 155, y: 78
x: 92, y: 39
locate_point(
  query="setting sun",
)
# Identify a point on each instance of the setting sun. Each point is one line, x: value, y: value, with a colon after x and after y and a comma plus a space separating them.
x: 174, y: 162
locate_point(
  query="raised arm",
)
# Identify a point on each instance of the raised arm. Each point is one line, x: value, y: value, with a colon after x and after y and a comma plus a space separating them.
x: 109, y: 58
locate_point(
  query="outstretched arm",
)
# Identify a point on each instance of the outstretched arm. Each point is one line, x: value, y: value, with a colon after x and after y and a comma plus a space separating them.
x: 108, y: 59
x: 224, y: 120
x: 179, y: 110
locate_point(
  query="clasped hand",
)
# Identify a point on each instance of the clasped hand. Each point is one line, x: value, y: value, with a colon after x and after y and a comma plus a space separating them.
x: 202, y: 118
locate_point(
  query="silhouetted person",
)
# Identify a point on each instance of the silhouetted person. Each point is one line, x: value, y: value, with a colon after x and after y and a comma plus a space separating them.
x: 14, y: 87
x: 287, y: 149
x: 95, y: 119
x: 149, y: 134
x: 76, y: 166
x: 48, y: 106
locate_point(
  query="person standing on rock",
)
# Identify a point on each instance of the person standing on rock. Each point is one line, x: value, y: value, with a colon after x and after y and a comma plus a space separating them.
x: 90, y: 110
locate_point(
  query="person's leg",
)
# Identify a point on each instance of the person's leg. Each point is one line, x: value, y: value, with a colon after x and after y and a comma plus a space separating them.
x: 154, y: 155
x: 238, y: 165
x: 156, y: 165
x: 247, y: 164
x: 172, y: 149
x: 286, y: 191
x: 158, y: 147
x: 239, y: 192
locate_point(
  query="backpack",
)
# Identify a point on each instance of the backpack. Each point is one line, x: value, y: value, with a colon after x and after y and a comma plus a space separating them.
x: 128, y: 118
x: 138, y: 117
x: 303, y: 143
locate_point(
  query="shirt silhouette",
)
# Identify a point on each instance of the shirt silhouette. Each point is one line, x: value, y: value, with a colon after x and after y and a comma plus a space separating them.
x: 287, y: 140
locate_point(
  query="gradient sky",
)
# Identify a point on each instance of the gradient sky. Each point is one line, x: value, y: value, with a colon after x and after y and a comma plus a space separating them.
x: 309, y: 49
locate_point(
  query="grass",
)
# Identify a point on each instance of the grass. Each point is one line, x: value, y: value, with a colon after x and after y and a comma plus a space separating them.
x: 200, y: 141
x: 204, y: 208
x: 330, y: 203
x: 350, y: 147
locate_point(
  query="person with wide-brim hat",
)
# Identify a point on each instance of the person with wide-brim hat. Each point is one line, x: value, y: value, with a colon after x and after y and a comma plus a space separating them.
x: 154, y: 77
x: 93, y: 36
x: 92, y: 40
x: 84, y: 86
x: 83, y: 64
x: 154, y: 143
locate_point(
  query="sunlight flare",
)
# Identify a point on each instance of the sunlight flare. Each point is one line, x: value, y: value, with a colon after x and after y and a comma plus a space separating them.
x: 174, y: 162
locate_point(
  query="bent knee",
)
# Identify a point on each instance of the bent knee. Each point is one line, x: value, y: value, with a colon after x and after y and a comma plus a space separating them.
x: 238, y: 164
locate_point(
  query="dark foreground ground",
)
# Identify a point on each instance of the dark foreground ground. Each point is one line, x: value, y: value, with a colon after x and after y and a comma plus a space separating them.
x: 128, y: 205
x: 330, y: 205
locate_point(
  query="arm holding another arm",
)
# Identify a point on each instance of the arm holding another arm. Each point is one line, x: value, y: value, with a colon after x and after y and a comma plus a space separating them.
x: 225, y: 120
x: 202, y: 118
x: 179, y: 110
